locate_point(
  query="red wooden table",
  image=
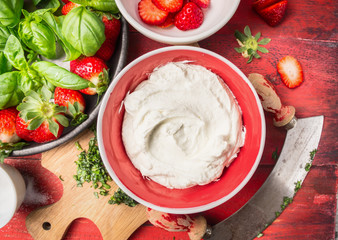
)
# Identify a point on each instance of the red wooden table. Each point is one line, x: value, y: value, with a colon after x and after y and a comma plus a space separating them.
x: 309, y: 33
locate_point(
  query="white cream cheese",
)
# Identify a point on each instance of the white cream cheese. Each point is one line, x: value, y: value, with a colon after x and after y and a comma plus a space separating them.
x: 182, y: 126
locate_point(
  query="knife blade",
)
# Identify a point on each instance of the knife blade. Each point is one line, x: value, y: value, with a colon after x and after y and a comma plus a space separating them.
x: 261, y: 209
x: 302, y: 137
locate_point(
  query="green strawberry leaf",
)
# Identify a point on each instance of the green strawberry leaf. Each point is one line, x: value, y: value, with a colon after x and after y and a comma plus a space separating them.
x: 257, y: 36
x: 264, y: 41
x: 262, y: 49
x: 35, y: 123
x: 240, y: 36
x: 247, y: 31
x: 62, y: 120
x: 53, y: 127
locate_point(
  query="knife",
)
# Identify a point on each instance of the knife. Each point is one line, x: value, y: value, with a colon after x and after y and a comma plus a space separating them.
x: 302, y: 137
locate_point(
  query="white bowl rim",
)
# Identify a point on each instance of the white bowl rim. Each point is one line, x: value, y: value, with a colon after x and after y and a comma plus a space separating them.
x: 175, y: 40
x: 7, y: 218
x: 178, y: 210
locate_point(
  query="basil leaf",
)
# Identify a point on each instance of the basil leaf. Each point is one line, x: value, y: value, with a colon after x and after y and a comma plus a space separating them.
x: 59, y: 76
x: 15, y: 54
x: 83, y: 30
x: 10, y: 94
x: 47, y: 4
x: 4, y: 35
x: 102, y: 5
x: 10, y: 12
x: 55, y: 23
x: 37, y: 35
x: 30, y: 80
x: 5, y: 65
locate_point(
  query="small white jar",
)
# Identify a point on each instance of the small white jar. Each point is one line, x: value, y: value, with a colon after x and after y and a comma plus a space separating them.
x: 12, y: 192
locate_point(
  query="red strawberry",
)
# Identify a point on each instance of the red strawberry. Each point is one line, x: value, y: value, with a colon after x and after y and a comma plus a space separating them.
x: 190, y: 17
x: 202, y: 3
x: 93, y: 69
x: 169, y: 5
x: 22, y: 131
x: 73, y: 101
x: 261, y: 4
x: 150, y: 14
x: 274, y: 14
x: 64, y: 97
x: 169, y: 21
x: 69, y: 6
x: 65, y: 1
x: 40, y: 120
x: 290, y: 71
x: 111, y: 31
x: 7, y: 125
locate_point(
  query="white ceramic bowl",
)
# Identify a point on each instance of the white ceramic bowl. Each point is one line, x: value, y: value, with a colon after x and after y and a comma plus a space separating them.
x: 215, y: 17
x: 12, y: 192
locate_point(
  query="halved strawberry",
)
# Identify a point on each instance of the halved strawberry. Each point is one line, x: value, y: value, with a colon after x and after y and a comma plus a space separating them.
x: 169, y: 21
x: 202, y: 3
x: 69, y: 6
x: 274, y: 14
x: 151, y: 14
x: 261, y: 4
x: 290, y: 71
x: 169, y: 5
x: 7, y: 125
x: 190, y: 17
x: 93, y: 69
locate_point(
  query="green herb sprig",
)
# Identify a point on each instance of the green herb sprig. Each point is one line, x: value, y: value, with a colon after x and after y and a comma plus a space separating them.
x: 249, y: 44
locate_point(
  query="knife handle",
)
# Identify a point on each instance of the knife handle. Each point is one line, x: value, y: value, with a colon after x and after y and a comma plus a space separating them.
x: 284, y: 116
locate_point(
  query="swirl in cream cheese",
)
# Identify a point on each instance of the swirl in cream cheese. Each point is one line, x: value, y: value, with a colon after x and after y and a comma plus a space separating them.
x: 182, y: 126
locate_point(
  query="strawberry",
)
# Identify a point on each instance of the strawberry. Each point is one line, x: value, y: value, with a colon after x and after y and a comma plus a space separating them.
x: 169, y: 21
x: 7, y: 125
x: 274, y: 14
x: 290, y: 71
x: 69, y: 6
x: 150, y: 14
x: 93, y: 69
x: 40, y: 120
x: 202, y: 3
x: 111, y: 31
x: 261, y: 4
x: 168, y: 5
x: 65, y: 1
x: 73, y: 101
x: 190, y: 17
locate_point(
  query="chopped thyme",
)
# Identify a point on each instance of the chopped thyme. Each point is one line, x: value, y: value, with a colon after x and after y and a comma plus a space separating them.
x: 120, y: 197
x: 298, y: 185
x: 60, y: 177
x: 78, y: 146
x: 275, y: 155
x: 260, y: 235
x: 313, y: 153
x: 308, y: 166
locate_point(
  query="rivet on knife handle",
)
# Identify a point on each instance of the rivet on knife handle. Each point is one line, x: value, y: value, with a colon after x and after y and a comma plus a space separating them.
x: 284, y: 116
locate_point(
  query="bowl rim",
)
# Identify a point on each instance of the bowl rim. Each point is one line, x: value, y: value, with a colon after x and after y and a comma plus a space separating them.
x: 175, y: 40
x: 189, y: 210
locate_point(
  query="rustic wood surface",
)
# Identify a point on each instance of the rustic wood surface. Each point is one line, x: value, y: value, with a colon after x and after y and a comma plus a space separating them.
x: 309, y: 33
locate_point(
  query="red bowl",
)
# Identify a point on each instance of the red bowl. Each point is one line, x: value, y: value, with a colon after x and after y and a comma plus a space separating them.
x: 154, y: 195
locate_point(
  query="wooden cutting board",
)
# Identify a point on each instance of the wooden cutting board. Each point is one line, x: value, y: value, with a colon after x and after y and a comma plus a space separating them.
x: 51, y: 222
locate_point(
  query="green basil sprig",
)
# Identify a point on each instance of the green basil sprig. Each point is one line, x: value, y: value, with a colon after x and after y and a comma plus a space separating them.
x: 102, y: 5
x: 10, y: 93
x: 83, y: 30
x: 29, y: 78
x: 5, y: 65
x: 10, y: 12
x: 4, y: 35
x: 47, y: 4
x: 55, y: 23
x: 37, y: 35
x: 61, y: 77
